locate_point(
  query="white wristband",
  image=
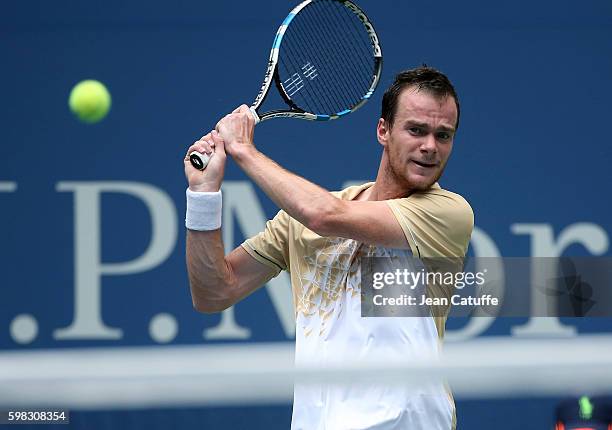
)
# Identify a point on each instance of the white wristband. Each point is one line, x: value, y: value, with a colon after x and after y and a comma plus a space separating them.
x: 203, y: 211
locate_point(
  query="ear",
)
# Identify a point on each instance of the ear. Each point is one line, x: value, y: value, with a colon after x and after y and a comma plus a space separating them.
x: 382, y: 132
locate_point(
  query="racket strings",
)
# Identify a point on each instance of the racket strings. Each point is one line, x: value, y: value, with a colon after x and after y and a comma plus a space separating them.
x: 335, y: 92
x: 363, y: 44
x: 327, y: 26
x: 326, y: 58
x: 361, y: 57
x: 336, y: 47
x: 333, y: 95
x: 312, y: 103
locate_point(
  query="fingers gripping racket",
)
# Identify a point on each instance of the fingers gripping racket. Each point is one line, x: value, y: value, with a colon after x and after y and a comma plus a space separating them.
x: 325, y: 63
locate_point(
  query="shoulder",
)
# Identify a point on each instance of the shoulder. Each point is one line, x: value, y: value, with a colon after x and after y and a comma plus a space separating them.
x: 441, y: 218
x: 350, y: 192
x: 439, y: 202
x: 445, y: 201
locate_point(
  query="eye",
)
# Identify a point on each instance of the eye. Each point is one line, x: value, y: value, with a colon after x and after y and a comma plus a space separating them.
x: 443, y: 135
x: 416, y: 131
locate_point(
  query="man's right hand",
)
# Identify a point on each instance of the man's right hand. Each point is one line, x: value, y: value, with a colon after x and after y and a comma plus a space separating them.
x: 211, y: 177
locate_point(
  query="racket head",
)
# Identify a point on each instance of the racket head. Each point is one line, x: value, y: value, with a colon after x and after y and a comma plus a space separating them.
x: 325, y: 61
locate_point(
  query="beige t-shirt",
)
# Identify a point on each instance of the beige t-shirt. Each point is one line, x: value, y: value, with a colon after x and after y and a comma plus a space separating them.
x: 326, y: 283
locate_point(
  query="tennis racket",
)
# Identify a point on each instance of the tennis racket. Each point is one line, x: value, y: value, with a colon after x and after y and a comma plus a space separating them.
x: 325, y: 63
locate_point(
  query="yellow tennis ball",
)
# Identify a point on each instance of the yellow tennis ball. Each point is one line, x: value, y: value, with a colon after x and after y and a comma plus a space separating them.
x: 90, y: 101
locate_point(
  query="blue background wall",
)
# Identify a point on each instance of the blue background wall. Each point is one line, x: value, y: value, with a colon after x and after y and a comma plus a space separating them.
x: 533, y: 148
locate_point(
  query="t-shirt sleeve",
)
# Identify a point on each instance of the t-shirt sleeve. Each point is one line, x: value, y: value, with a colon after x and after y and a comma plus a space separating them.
x: 271, y: 246
x: 436, y: 223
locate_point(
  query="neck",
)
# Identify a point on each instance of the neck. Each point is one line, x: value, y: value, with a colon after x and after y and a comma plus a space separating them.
x: 387, y: 186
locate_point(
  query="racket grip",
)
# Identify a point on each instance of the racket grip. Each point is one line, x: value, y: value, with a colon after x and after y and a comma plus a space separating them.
x: 198, y: 160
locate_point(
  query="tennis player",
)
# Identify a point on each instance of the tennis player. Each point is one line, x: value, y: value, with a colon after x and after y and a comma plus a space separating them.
x: 321, y: 237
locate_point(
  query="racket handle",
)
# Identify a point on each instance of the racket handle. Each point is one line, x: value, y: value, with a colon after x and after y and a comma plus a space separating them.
x: 198, y: 160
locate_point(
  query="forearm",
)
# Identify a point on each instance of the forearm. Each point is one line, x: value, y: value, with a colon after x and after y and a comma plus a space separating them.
x: 210, y: 275
x: 303, y: 200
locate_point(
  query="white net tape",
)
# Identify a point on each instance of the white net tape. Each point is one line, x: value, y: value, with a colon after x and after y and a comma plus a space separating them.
x: 110, y: 378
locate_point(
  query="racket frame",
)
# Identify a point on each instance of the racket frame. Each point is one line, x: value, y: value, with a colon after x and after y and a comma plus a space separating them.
x: 273, y: 75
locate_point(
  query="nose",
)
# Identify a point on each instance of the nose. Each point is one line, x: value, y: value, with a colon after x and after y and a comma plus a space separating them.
x: 428, y: 144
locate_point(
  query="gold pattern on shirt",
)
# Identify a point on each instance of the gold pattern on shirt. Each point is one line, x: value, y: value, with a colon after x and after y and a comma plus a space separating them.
x: 328, y: 262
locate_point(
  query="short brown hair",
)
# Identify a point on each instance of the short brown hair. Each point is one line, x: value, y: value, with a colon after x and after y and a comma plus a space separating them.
x: 423, y: 78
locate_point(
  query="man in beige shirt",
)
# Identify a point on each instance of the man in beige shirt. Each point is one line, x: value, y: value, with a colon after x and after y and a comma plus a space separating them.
x: 321, y: 238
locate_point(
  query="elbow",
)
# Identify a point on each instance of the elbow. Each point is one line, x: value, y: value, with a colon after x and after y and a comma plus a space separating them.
x: 212, y: 290
x: 206, y: 303
x: 205, y: 306
x: 324, y: 219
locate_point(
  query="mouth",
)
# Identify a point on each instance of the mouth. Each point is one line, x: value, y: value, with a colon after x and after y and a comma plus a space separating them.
x: 425, y: 164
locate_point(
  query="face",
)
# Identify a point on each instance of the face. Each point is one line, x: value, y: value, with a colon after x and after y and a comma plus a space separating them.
x: 421, y: 139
